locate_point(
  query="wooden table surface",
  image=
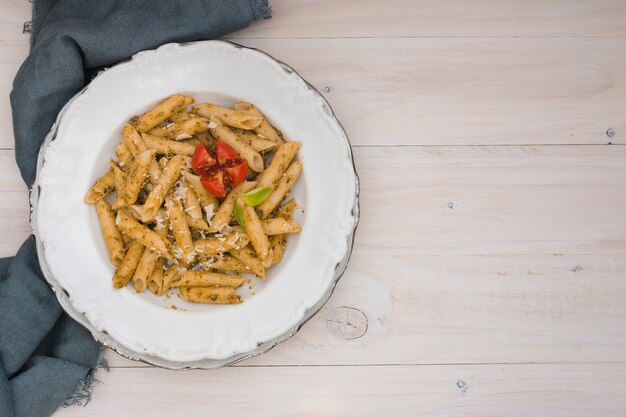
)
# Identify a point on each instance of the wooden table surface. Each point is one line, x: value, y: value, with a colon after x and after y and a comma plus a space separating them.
x: 489, y: 271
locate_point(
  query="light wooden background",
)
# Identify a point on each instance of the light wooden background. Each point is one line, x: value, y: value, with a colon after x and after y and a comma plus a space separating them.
x: 490, y: 260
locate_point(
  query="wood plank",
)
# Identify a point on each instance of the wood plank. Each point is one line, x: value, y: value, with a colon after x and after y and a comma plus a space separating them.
x: 450, y: 18
x: 14, y: 14
x: 13, y: 53
x: 407, y: 18
x: 471, y: 391
x: 449, y: 91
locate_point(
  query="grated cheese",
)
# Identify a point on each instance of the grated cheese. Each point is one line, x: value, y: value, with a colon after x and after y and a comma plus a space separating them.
x: 210, y: 211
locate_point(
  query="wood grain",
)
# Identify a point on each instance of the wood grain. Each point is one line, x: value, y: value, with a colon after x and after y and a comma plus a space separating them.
x: 449, y: 91
x: 408, y: 18
x: 442, y: 391
x: 437, y: 18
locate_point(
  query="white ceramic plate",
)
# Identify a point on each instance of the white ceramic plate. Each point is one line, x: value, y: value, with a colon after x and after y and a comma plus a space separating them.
x: 73, y: 254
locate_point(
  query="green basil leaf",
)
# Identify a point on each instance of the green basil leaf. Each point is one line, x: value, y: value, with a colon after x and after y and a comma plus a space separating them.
x: 238, y: 213
x: 257, y: 196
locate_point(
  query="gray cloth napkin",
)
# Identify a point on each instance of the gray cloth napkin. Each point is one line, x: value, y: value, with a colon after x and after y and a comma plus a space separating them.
x: 47, y: 359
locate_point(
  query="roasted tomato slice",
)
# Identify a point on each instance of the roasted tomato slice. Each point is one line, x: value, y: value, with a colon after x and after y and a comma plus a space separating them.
x: 202, y: 160
x: 213, y: 182
x: 236, y: 172
x: 225, y: 153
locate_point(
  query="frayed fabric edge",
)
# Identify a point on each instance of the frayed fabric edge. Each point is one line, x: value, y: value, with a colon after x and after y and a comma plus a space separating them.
x: 264, y: 8
x: 84, y: 390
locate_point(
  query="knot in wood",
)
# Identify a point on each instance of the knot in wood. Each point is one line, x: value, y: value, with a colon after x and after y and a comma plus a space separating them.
x: 346, y: 322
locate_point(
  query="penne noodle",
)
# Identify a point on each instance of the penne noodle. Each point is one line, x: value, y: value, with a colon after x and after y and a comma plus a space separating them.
x: 246, y: 256
x: 167, y: 147
x: 162, y: 111
x: 184, y: 248
x: 207, y: 201
x: 181, y: 116
x: 155, y: 199
x: 207, y: 279
x: 155, y: 283
x: 124, y: 156
x: 170, y: 275
x: 101, y: 188
x: 128, y: 195
x: 282, y: 188
x: 124, y: 273
x: 254, y: 229
x: 230, y: 117
x: 276, y: 226
x: 112, y: 235
x: 144, y: 270
x: 278, y: 165
x: 119, y: 176
x: 211, y: 295
x: 137, y: 231
x: 190, y: 201
x: 224, y: 213
x: 223, y: 133
x: 215, y: 245
x: 264, y: 129
x: 199, y: 224
x: 255, y: 141
x: 225, y: 263
x: 278, y: 243
x: 136, y: 145
x: 182, y: 130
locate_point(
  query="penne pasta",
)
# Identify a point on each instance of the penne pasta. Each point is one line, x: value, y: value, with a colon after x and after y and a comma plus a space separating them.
x: 207, y: 201
x: 207, y: 279
x: 136, y: 145
x: 162, y: 111
x: 225, y: 263
x: 182, y: 130
x: 246, y: 256
x: 223, y: 133
x: 276, y: 226
x: 128, y: 195
x: 216, y: 245
x: 227, y: 116
x: 142, y: 234
x: 199, y: 224
x: 125, y: 271
x: 181, y: 116
x: 258, y: 238
x: 190, y: 200
x: 224, y: 213
x: 184, y: 248
x: 155, y: 199
x: 255, y: 141
x: 170, y: 276
x: 167, y: 147
x: 279, y: 241
x: 119, y: 176
x: 211, y: 295
x: 155, y: 283
x: 124, y: 156
x: 144, y: 270
x: 264, y: 128
x: 278, y: 164
x: 282, y: 188
x: 101, y: 188
x: 112, y: 236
